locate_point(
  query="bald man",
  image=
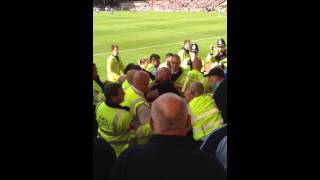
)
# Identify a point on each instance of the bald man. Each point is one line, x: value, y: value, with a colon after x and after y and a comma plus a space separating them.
x: 187, y: 95
x: 206, y: 117
x: 134, y: 98
x: 168, y: 154
x: 129, y: 80
x: 193, y: 75
x: 163, y: 84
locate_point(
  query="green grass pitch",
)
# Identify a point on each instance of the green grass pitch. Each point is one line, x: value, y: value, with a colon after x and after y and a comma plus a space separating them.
x: 143, y: 33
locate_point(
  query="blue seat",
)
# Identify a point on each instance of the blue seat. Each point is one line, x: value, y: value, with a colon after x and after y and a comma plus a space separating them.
x: 211, y: 142
x: 221, y: 153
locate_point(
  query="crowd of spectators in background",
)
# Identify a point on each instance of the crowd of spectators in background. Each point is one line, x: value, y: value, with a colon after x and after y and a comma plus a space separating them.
x: 180, y: 5
x: 171, y: 5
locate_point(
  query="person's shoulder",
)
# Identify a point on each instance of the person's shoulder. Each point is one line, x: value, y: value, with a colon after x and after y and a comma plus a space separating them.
x: 203, y: 157
x: 110, y: 58
x: 223, y: 84
x: 133, y: 151
x: 185, y: 71
x: 207, y: 96
x: 125, y: 113
x: 181, y: 50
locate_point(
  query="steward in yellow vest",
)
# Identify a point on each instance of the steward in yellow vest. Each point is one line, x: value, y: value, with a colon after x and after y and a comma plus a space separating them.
x: 184, y: 54
x: 129, y: 78
x: 206, y: 117
x: 218, y: 56
x: 155, y: 63
x: 114, y: 65
x: 98, y: 95
x: 139, y: 108
x: 193, y: 75
x: 179, y: 74
x: 115, y: 122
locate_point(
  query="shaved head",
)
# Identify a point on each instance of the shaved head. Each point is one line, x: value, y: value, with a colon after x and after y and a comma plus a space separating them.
x: 141, y: 81
x: 197, y: 64
x: 163, y: 74
x: 196, y: 88
x: 188, y: 96
x: 130, y: 75
x: 169, y: 115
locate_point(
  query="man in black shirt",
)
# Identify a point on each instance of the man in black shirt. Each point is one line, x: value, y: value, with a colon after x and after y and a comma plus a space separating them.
x: 219, y: 86
x: 168, y: 154
x: 162, y: 85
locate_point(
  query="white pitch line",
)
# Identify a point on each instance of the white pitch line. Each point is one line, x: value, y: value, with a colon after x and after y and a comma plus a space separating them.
x: 99, y: 54
x: 146, y: 23
x: 149, y: 23
x: 184, y: 33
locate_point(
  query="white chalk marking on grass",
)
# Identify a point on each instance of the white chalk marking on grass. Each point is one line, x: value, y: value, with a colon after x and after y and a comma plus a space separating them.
x: 178, y: 32
x: 147, y: 47
x: 148, y: 23
x: 126, y: 25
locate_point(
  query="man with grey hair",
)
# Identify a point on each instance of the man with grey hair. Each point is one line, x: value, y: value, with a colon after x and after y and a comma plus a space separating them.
x: 169, y: 153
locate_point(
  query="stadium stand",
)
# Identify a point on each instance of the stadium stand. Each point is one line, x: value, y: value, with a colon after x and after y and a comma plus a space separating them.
x: 162, y: 5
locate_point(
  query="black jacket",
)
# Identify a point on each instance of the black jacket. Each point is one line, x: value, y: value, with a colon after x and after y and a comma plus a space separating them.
x: 165, y: 87
x: 104, y: 158
x: 167, y: 158
x: 220, y: 98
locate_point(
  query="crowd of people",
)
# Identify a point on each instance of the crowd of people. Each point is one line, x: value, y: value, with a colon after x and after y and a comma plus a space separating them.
x: 165, y: 5
x: 180, y: 5
x: 164, y: 116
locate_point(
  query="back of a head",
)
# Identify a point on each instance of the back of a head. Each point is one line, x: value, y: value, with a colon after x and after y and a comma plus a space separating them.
x: 130, y: 75
x: 141, y: 81
x: 127, y: 68
x: 197, y: 88
x: 169, y: 114
x: 197, y: 64
x: 163, y: 74
x: 136, y: 67
x: 216, y: 71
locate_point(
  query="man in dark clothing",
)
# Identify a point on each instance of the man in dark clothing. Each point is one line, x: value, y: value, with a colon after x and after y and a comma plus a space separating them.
x: 168, y: 154
x: 219, y: 86
x: 162, y: 85
x: 104, y: 158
